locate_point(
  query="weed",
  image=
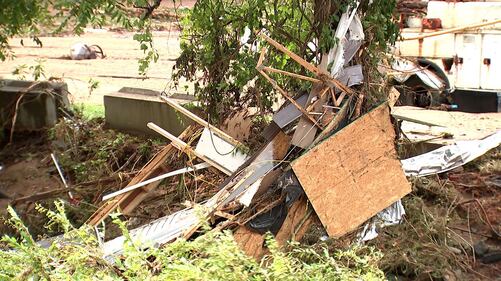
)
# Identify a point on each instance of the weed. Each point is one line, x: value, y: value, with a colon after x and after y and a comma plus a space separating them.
x: 212, y: 256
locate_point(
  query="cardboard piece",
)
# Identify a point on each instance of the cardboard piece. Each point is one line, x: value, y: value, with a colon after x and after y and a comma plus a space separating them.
x: 354, y: 174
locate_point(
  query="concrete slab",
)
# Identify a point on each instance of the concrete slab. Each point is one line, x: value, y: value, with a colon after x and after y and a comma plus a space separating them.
x: 130, y: 109
x: 38, y: 107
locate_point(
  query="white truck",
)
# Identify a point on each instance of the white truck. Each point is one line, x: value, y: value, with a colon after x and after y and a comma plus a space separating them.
x: 461, y: 43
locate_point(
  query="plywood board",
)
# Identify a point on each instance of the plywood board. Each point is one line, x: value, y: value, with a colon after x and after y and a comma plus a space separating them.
x: 353, y: 174
x: 294, y: 227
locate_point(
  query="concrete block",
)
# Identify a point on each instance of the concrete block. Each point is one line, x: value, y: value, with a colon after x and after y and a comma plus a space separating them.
x: 39, y: 106
x: 130, y: 109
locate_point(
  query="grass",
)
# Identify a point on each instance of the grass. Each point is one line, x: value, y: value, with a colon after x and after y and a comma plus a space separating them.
x: 90, y: 111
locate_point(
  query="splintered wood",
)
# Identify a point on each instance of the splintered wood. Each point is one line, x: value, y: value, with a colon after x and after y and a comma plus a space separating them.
x: 294, y: 227
x: 128, y: 201
x: 353, y: 174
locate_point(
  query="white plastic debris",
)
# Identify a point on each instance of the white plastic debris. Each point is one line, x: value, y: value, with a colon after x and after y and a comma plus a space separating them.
x: 80, y: 51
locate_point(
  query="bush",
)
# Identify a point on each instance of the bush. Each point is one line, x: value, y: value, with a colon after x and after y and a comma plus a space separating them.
x: 212, y: 256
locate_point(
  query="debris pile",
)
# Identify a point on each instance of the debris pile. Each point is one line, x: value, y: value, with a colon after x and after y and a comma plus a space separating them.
x: 328, y: 158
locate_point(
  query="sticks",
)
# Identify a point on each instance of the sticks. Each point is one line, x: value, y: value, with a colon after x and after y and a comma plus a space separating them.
x: 181, y: 145
x: 161, y: 177
x: 307, y: 78
x: 201, y: 121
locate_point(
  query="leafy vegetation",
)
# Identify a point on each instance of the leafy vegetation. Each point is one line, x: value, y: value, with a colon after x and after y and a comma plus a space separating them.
x: 220, y: 45
x: 212, y: 256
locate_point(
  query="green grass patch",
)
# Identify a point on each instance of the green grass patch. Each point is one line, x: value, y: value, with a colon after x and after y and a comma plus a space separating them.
x: 89, y: 111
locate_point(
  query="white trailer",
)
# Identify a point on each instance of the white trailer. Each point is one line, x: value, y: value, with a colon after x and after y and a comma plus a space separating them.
x: 466, y: 54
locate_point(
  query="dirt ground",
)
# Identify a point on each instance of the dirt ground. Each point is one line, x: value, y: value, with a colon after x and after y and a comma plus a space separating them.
x: 119, y: 68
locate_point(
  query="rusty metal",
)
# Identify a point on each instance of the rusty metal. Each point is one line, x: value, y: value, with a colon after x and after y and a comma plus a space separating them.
x: 431, y: 23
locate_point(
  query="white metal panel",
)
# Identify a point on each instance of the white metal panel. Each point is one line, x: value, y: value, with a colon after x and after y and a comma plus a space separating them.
x: 490, y: 74
x: 464, y: 13
x: 431, y: 47
x: 468, y: 49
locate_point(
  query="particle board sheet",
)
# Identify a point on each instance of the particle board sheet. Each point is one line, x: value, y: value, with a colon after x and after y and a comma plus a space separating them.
x: 353, y: 174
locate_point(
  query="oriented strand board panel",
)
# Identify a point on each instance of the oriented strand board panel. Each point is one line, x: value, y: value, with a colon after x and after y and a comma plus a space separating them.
x: 353, y: 174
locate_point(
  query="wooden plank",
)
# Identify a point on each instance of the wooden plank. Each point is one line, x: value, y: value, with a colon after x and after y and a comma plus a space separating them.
x: 354, y: 174
x: 201, y: 121
x: 299, y: 76
x: 297, y: 222
x: 306, y: 131
x: 128, y: 201
x: 293, y: 56
x: 184, y: 147
x: 288, y: 97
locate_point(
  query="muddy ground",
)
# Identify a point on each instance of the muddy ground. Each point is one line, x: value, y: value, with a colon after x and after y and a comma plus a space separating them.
x: 118, y: 69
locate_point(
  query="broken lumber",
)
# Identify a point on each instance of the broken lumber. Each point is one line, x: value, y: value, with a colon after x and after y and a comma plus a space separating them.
x: 322, y: 75
x: 353, y: 174
x: 200, y: 121
x: 334, y: 124
x: 181, y: 145
x: 128, y: 201
x: 158, y: 178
